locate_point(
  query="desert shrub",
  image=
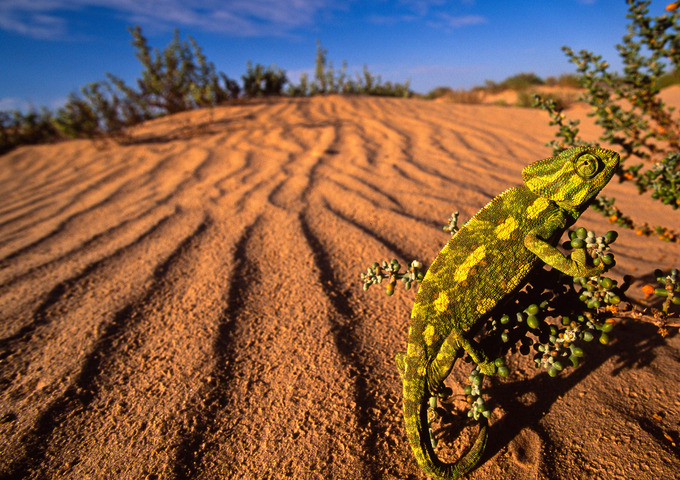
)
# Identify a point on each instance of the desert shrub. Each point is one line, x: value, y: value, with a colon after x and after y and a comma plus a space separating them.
x: 178, y: 79
x: 438, y: 92
x: 472, y: 97
x: 323, y: 74
x: 263, y: 82
x: 525, y: 98
x: 668, y: 79
x: 521, y: 81
x: 301, y: 89
x: 628, y: 108
x: 569, y: 80
x: 77, y: 118
x: 33, y: 127
x: 327, y: 80
x: 491, y: 86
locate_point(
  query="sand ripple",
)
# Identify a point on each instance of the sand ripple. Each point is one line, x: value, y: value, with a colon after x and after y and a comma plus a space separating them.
x: 187, y: 304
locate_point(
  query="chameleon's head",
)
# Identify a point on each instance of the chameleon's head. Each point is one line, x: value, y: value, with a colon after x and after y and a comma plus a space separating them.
x: 574, y: 177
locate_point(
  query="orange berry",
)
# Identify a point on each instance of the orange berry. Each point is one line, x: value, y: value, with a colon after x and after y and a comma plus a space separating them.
x: 613, y: 218
x: 671, y: 6
x: 648, y: 290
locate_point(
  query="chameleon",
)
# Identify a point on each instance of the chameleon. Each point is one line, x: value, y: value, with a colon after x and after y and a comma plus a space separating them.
x: 484, y: 262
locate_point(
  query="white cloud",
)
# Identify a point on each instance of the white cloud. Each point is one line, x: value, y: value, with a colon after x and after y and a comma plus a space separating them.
x: 422, y: 7
x: 446, y: 21
x: 430, y: 12
x: 32, y: 18
x: 47, y: 18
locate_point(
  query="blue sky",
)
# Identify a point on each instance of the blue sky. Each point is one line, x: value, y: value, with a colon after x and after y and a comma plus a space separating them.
x: 49, y: 48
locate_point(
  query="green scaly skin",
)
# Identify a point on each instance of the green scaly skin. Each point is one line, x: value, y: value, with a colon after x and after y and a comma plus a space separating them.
x: 487, y: 259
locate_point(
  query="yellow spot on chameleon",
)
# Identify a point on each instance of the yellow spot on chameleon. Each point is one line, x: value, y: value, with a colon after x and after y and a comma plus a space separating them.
x: 485, y: 305
x: 505, y: 229
x: 540, y: 182
x: 516, y: 279
x: 537, y: 207
x: 442, y: 302
x: 428, y: 334
x: 464, y: 268
x: 579, y: 196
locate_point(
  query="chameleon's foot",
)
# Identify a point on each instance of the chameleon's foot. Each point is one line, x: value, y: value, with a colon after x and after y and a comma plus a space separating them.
x: 487, y: 368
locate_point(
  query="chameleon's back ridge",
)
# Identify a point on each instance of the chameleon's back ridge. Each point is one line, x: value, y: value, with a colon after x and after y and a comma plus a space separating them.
x: 485, y: 261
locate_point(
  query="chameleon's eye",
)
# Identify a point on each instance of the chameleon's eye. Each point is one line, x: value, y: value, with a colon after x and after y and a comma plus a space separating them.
x: 587, y: 165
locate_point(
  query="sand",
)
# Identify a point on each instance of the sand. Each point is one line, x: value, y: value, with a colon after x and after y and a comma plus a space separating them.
x: 188, y: 304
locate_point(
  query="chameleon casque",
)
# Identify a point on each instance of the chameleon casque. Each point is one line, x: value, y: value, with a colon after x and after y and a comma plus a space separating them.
x: 485, y: 261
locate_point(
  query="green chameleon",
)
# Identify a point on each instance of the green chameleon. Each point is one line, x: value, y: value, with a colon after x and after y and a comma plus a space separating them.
x: 485, y: 261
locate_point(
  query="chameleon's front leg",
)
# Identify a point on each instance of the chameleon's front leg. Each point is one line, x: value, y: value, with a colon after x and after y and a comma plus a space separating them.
x: 575, y: 266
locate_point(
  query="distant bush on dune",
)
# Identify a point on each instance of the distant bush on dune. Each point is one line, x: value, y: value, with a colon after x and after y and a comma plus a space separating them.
x: 474, y: 96
x: 178, y: 79
x: 260, y: 81
x: 328, y: 81
x: 520, y: 81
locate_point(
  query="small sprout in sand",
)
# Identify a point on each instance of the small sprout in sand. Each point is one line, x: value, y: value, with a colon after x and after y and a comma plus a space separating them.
x: 452, y: 226
x: 391, y: 272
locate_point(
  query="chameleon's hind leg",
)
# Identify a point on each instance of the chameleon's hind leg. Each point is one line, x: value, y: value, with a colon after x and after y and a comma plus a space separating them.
x: 400, y: 358
x: 441, y: 366
x: 486, y: 366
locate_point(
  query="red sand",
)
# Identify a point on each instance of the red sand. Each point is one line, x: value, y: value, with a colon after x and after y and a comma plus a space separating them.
x: 188, y: 305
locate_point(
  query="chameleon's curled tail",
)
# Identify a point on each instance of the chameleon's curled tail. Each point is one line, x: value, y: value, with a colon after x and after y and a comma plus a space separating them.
x: 417, y: 430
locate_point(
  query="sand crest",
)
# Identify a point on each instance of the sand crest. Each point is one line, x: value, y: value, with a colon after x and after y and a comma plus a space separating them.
x: 188, y: 304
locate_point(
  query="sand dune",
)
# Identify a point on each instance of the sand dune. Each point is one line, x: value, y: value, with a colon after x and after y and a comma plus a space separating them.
x: 188, y: 304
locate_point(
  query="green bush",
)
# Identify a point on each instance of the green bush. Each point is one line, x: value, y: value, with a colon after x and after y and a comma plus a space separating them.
x: 521, y: 81
x: 668, y: 79
x: 561, y: 100
x: 328, y: 81
x: 633, y: 117
x: 438, y: 92
x: 569, y: 80
x: 179, y: 78
x: 77, y: 118
x: 263, y: 82
x: 17, y: 128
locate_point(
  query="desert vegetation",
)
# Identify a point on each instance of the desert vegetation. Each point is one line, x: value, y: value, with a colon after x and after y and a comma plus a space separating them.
x: 630, y: 112
x: 565, y: 90
x: 177, y: 79
x: 329, y: 80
